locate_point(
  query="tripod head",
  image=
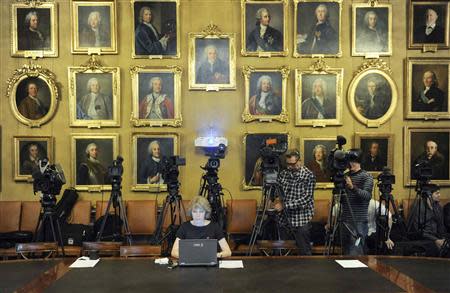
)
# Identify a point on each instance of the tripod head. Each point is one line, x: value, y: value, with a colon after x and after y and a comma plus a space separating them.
x: 170, y: 173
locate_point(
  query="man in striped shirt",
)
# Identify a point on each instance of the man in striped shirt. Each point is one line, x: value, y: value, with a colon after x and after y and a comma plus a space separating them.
x: 359, y: 185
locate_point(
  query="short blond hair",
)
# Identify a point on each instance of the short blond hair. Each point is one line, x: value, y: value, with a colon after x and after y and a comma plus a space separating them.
x: 200, y: 202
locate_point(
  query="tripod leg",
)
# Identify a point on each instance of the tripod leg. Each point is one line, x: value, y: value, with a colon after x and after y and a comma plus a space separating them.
x: 160, y: 222
x: 259, y: 219
x: 105, y: 217
x: 123, y: 216
x: 61, y: 243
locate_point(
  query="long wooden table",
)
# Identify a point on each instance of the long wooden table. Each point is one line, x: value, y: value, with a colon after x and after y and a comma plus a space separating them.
x: 260, y: 274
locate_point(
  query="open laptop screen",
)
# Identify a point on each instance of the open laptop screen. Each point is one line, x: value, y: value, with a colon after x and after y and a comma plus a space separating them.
x: 198, y: 252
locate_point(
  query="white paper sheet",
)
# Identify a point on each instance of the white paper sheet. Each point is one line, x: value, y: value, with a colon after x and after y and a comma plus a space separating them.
x: 231, y: 264
x: 350, y: 263
x: 84, y: 262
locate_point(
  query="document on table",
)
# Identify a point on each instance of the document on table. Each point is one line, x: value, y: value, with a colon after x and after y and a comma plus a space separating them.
x: 231, y: 264
x: 84, y: 262
x: 350, y: 263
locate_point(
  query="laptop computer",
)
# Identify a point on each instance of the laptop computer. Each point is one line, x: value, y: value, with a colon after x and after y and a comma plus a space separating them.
x: 198, y: 252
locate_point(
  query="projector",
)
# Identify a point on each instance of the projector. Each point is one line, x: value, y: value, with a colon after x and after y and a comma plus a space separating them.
x: 209, y: 142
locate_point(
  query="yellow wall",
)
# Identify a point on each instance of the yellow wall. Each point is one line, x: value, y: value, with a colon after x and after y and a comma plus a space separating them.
x: 199, y: 109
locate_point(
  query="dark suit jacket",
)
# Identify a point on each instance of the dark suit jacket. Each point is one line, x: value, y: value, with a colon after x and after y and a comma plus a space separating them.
x: 380, y: 107
x: 206, y: 75
x: 321, y: 175
x: 271, y: 41
x: 87, y: 38
x: 148, y: 169
x: 437, y: 35
x: 327, y: 40
x: 439, y: 104
x: 146, y: 42
x: 376, y: 165
x: 273, y: 105
x: 30, y: 40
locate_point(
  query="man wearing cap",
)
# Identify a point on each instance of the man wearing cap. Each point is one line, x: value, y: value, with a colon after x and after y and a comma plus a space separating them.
x: 298, y: 183
x: 359, y: 185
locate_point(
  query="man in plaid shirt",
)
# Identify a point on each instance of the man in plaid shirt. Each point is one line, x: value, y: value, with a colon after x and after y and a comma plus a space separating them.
x: 298, y: 183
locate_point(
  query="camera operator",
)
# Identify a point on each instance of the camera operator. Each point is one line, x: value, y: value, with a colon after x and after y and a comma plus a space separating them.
x: 298, y: 184
x: 359, y: 185
x: 432, y: 217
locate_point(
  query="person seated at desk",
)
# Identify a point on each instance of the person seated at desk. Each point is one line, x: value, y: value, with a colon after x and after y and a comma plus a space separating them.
x: 200, y: 227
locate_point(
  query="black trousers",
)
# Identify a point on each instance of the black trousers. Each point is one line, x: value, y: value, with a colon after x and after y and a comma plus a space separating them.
x: 302, y: 236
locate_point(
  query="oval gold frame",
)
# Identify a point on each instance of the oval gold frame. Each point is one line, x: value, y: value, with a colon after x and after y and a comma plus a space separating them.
x: 380, y: 67
x: 45, y: 75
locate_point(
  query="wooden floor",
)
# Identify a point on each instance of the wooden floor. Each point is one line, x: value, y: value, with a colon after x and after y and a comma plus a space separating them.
x: 407, y: 274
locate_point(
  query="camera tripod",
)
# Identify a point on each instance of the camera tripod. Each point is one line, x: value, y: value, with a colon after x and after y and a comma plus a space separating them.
x: 382, y: 220
x: 47, y: 214
x: 270, y: 192
x: 173, y: 205
x: 336, y: 223
x: 212, y: 190
x: 116, y: 200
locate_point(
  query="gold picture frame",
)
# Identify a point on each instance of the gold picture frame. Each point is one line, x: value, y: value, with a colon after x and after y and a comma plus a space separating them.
x: 438, y: 70
x: 24, y: 107
x: 384, y: 153
x: 417, y: 38
x: 26, y: 163
x: 436, y: 138
x: 140, y: 145
x: 254, y: 156
x: 371, y: 108
x: 36, y: 42
x: 170, y: 106
x: 301, y: 39
x: 251, y: 96
x: 378, y: 41
x: 84, y: 40
x: 273, y: 35
x: 107, y: 98
x: 306, y: 110
x: 136, y: 6
x: 222, y: 44
x: 92, y: 176
x: 308, y: 149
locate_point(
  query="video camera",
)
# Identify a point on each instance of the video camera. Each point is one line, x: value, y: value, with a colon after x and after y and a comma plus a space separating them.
x: 115, y: 172
x: 169, y: 167
x: 423, y: 171
x: 215, y: 154
x: 48, y: 179
x: 270, y: 152
x: 385, y: 181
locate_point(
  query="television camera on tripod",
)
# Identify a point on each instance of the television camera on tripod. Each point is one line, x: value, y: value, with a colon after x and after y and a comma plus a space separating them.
x: 173, y: 205
x: 270, y: 152
x: 47, y: 181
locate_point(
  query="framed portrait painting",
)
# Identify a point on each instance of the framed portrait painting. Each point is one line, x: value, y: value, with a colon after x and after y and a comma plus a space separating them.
x: 377, y: 151
x: 212, y: 60
x: 94, y: 96
x: 318, y: 95
x: 253, y: 177
x: 317, y: 28
x: 156, y: 96
x: 314, y: 153
x: 264, y: 28
x: 429, y: 25
x: 372, y: 30
x: 265, y: 94
x: 34, y: 29
x: 94, y: 28
x: 427, y: 149
x: 148, y: 152
x: 91, y: 155
x: 427, y: 88
x: 28, y: 150
x: 372, y: 94
x: 33, y: 95
x: 156, y: 29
